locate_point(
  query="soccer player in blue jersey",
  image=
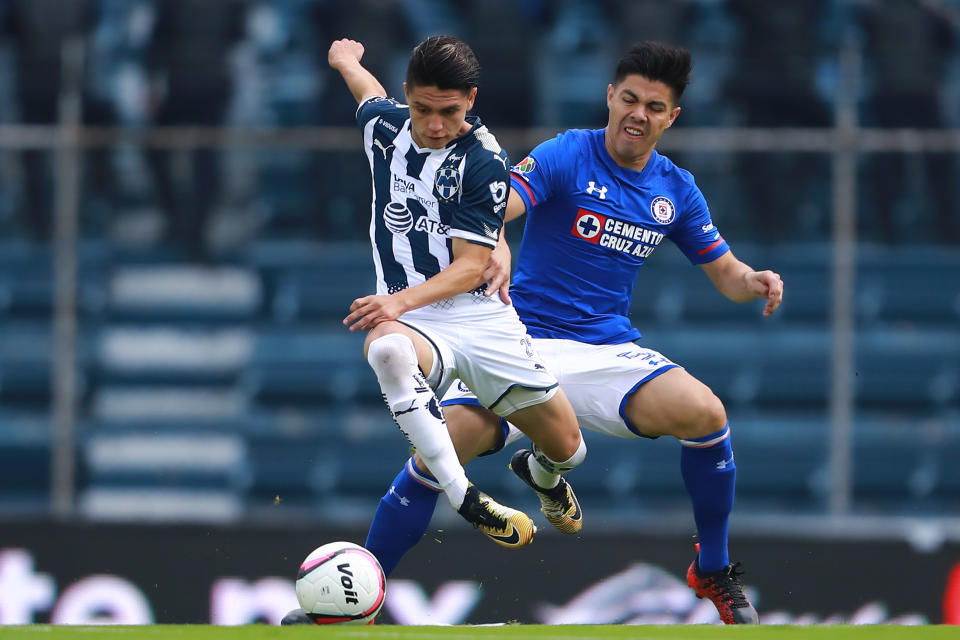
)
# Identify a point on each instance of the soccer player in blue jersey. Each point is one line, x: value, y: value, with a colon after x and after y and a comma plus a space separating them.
x: 440, y: 186
x: 599, y: 203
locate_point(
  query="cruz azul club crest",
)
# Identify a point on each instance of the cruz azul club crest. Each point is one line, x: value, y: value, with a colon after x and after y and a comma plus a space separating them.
x: 663, y: 210
x: 447, y: 183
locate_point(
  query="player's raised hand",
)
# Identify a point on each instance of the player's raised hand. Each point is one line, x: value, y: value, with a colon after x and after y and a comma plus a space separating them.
x: 369, y: 311
x: 344, y: 50
x: 769, y: 285
x: 497, y: 272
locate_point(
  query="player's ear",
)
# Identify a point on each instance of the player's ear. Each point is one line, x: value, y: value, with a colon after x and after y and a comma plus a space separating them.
x: 673, y: 116
x: 406, y: 94
x: 610, y: 90
x: 471, y: 97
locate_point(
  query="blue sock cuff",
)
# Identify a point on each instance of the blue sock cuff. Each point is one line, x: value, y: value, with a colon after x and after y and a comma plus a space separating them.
x: 708, y: 440
x: 414, y: 472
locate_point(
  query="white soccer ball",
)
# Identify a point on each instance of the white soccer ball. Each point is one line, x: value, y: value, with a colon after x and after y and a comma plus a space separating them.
x: 341, y: 582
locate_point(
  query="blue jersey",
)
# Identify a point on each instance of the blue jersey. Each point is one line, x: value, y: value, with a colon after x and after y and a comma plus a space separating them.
x: 591, y: 224
x: 423, y: 198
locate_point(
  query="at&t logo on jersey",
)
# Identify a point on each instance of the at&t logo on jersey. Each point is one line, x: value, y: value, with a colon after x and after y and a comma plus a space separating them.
x: 625, y: 237
x: 663, y: 210
x: 397, y: 218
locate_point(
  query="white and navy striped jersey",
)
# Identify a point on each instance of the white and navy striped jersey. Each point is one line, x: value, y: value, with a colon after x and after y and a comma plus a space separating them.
x: 423, y: 198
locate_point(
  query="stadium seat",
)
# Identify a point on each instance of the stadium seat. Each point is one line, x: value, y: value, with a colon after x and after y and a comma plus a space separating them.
x: 25, y: 455
x: 907, y: 368
x: 310, y: 367
x: 178, y: 293
x: 781, y: 458
x: 174, y: 474
x: 768, y: 365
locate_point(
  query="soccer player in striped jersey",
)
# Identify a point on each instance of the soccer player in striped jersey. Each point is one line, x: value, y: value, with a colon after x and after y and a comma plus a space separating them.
x: 598, y: 203
x: 440, y: 187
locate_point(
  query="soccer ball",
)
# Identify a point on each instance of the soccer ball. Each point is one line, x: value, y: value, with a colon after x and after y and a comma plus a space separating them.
x: 341, y: 582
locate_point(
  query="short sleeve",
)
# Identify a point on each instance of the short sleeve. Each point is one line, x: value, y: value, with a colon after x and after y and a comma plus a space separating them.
x: 537, y: 176
x: 695, y: 233
x: 479, y: 218
x: 374, y: 106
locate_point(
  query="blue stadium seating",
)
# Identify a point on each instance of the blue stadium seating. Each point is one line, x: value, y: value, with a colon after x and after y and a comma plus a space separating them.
x: 25, y: 461
x: 310, y: 368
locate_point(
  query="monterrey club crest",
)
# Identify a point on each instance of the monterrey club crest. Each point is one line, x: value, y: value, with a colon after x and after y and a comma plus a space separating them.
x: 588, y: 225
x: 448, y: 183
x: 663, y: 210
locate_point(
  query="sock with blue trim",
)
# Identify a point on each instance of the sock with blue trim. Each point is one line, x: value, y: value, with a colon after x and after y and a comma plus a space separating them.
x: 403, y: 515
x: 710, y: 475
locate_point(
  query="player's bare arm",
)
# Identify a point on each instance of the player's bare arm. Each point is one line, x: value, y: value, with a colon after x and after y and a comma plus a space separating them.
x: 497, y: 273
x: 740, y: 283
x: 344, y: 56
x: 465, y: 273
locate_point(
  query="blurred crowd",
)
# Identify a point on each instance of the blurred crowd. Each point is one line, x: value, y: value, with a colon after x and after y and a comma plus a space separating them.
x: 546, y: 63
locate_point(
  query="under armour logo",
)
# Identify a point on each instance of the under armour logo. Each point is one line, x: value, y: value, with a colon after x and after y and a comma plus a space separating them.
x: 377, y: 143
x: 404, y: 501
x: 601, y: 191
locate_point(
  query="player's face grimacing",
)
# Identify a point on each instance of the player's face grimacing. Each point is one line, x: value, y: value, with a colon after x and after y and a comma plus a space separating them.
x: 437, y: 116
x: 640, y: 110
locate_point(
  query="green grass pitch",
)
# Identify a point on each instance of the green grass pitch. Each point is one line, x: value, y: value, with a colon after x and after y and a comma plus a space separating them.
x: 504, y: 632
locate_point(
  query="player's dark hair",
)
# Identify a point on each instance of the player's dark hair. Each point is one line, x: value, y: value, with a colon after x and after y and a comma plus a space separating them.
x: 443, y: 62
x: 657, y: 61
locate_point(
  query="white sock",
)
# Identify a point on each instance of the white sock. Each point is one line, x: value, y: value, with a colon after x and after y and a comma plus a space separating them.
x: 546, y: 472
x: 416, y: 411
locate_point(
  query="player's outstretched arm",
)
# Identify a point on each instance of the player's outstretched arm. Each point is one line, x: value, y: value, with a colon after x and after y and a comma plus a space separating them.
x: 497, y: 273
x: 465, y: 273
x: 344, y: 56
x: 740, y: 283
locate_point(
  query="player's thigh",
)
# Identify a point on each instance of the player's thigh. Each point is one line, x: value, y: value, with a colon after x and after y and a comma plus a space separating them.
x: 677, y: 404
x: 598, y: 380
x: 473, y: 429
x: 552, y: 425
x: 425, y: 352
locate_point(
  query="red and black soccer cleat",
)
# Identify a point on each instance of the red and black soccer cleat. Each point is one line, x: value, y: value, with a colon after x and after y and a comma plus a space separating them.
x: 725, y: 590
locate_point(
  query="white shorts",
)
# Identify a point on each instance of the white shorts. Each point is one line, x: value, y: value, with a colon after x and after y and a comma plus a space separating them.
x: 597, y: 379
x: 492, y: 354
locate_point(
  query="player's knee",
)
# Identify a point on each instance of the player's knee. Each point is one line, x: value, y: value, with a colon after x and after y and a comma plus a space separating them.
x: 391, y: 356
x: 706, y: 415
x: 574, y: 448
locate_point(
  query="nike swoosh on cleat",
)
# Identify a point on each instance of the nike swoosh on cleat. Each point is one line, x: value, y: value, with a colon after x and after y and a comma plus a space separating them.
x: 511, y: 539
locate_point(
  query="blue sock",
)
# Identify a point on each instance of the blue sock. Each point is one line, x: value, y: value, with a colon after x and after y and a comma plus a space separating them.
x: 403, y: 515
x: 710, y: 476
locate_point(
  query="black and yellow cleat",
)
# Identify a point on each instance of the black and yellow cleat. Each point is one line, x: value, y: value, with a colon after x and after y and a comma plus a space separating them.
x: 558, y: 504
x: 505, y: 526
